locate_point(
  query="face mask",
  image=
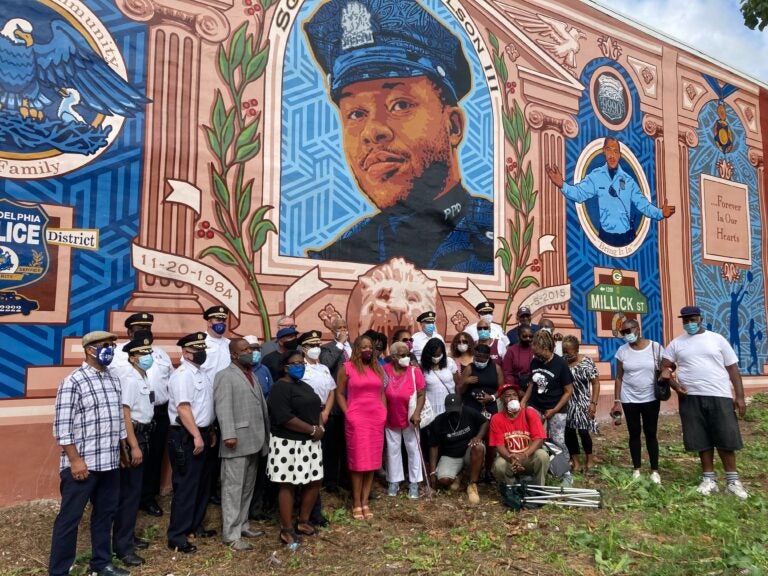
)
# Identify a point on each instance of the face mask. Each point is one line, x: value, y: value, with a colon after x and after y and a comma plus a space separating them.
x: 104, y: 355
x: 549, y: 330
x: 570, y: 359
x: 366, y: 355
x: 296, y: 372
x: 404, y: 361
x: 291, y: 344
x: 487, y: 317
x: 220, y: 328
x: 525, y: 343
x: 483, y: 334
x: 436, y: 359
x: 462, y: 348
x: 256, y: 356
x: 245, y: 359
x: 429, y: 329
x: 313, y: 353
x: 146, y: 361
x: 480, y: 365
x: 513, y: 406
x: 409, y: 344
x: 691, y: 327
x: 199, y: 357
x: 630, y: 338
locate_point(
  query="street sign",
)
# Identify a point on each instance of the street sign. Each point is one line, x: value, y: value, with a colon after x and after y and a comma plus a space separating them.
x: 617, y: 298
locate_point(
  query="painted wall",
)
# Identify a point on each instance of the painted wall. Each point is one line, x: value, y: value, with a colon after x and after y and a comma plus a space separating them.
x: 167, y: 155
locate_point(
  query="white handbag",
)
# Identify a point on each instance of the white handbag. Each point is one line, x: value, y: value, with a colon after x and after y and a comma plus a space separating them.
x: 427, y: 414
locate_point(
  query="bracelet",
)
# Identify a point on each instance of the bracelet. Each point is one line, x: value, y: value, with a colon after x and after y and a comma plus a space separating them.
x: 314, y: 431
x: 617, y: 400
x: 433, y: 473
x: 322, y: 428
x: 593, y: 402
x: 493, y: 397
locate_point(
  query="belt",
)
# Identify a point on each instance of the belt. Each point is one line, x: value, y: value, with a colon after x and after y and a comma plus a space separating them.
x: 140, y: 428
x: 202, y: 429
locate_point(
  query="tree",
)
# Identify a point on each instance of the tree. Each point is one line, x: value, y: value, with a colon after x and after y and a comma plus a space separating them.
x: 755, y: 13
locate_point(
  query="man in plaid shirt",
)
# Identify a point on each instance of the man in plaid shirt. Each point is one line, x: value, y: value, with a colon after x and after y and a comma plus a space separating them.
x: 88, y: 426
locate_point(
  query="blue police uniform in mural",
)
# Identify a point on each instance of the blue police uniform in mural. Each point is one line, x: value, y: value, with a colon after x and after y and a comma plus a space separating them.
x: 427, y: 216
x: 617, y: 194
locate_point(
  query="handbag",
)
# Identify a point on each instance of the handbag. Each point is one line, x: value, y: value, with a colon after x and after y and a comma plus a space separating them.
x: 427, y: 414
x: 661, y: 388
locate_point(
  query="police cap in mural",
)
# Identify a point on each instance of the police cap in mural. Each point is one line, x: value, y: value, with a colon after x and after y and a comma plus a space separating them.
x: 358, y: 40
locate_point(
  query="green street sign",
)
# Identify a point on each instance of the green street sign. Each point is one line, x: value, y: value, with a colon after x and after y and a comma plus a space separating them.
x: 616, y: 298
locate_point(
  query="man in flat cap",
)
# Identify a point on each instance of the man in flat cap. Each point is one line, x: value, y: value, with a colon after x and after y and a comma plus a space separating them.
x: 428, y: 330
x: 397, y: 75
x: 706, y: 367
x: 523, y: 319
x: 88, y: 426
x: 158, y: 375
x: 191, y: 411
x: 138, y: 410
x: 242, y: 415
x: 485, y: 312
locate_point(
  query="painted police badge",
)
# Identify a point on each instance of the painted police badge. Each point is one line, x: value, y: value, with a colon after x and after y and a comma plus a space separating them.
x: 355, y: 26
x: 611, y: 99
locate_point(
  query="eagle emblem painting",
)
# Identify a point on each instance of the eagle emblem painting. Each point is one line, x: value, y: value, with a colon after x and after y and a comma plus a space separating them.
x: 63, y: 88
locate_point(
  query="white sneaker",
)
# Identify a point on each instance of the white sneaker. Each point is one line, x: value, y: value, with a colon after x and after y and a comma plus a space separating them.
x: 567, y: 480
x: 655, y: 478
x: 737, y: 489
x: 636, y: 475
x: 413, y: 491
x: 393, y: 488
x: 707, y: 487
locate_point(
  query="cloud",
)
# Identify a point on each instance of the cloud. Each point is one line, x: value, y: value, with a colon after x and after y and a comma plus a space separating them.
x: 714, y: 27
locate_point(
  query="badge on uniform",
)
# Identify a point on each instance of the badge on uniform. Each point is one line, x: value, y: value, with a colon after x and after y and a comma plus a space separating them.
x: 622, y: 184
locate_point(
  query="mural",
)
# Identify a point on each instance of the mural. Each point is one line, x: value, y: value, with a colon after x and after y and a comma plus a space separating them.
x: 364, y: 159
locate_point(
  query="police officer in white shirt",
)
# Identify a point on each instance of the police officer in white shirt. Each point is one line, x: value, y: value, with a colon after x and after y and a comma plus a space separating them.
x: 218, y: 345
x: 190, y: 409
x: 428, y: 331
x: 138, y: 410
x: 485, y: 312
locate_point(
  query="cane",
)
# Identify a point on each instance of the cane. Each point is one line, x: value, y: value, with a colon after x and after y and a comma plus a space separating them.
x: 428, y: 487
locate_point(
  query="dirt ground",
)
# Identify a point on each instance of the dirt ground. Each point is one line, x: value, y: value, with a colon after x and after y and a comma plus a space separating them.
x: 444, y: 535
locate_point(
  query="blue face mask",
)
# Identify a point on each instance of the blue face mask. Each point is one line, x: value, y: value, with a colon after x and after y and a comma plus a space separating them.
x: 481, y: 365
x: 146, y: 361
x: 256, y: 356
x: 630, y: 338
x: 484, y: 334
x: 691, y: 328
x: 429, y: 329
x: 296, y: 372
x: 220, y: 328
x: 104, y: 354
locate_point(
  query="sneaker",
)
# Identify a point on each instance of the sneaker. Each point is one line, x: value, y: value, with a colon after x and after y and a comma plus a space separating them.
x: 655, y: 478
x: 567, y: 480
x: 240, y: 544
x: 456, y: 484
x: 393, y: 488
x: 636, y: 474
x: 413, y: 491
x: 472, y: 495
x: 707, y: 487
x: 737, y: 489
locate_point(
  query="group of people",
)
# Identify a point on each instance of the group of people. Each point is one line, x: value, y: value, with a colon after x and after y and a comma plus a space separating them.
x: 273, y: 421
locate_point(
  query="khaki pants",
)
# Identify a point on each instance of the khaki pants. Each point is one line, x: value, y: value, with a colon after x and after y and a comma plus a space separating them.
x: 536, y: 466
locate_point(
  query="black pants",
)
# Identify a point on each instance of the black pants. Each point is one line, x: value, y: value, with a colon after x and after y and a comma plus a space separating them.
x: 127, y: 510
x: 191, y: 484
x: 648, y: 413
x: 334, y: 442
x: 102, y: 490
x: 155, y: 455
x: 572, y: 437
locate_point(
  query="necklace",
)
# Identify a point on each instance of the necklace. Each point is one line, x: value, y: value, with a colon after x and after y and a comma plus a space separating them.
x: 452, y: 427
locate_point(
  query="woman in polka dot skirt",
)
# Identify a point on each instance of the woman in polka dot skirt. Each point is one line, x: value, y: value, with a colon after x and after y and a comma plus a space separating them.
x: 295, y: 454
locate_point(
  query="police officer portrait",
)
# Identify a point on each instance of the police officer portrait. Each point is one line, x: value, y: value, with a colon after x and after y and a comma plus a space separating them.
x: 403, y: 111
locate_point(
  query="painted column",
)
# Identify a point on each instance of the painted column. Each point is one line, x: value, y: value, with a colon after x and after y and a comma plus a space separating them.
x: 755, y: 156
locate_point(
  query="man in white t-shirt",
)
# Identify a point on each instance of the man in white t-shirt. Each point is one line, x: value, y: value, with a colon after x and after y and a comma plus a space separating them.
x: 706, y: 366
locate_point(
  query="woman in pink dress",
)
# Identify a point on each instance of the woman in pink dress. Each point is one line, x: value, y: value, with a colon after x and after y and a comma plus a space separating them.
x: 360, y: 395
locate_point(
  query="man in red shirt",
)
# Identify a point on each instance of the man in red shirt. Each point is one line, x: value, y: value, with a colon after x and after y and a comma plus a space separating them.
x: 517, y: 362
x: 519, y: 438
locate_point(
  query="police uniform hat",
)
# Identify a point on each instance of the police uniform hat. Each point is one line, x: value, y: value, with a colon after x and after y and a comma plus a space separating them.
x: 485, y: 307
x: 97, y: 336
x: 310, y: 338
x: 139, y: 319
x: 359, y: 40
x: 427, y: 316
x: 138, y: 346
x: 194, y: 340
x: 216, y: 312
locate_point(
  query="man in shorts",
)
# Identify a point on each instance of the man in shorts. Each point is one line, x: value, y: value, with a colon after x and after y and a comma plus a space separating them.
x: 706, y: 367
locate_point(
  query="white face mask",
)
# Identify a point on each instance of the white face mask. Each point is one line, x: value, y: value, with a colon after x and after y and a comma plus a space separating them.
x: 513, y: 406
x: 404, y: 361
x: 436, y: 359
x: 487, y: 317
x: 313, y: 353
x: 462, y: 348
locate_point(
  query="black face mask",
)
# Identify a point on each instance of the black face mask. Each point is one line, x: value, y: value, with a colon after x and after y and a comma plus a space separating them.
x: 199, y: 357
x: 525, y: 343
x: 291, y: 344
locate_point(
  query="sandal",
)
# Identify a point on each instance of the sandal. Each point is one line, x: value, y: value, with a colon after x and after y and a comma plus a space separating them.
x: 289, y: 537
x: 303, y: 528
x: 367, y: 514
x: 357, y: 513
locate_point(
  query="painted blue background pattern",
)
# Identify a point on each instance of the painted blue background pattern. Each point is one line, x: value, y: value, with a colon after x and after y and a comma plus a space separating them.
x: 319, y: 197
x: 105, y: 194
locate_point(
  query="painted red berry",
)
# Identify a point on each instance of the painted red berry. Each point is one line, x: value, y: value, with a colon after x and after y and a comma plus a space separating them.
x: 246, y: 105
x: 250, y: 11
x: 254, y: 102
x: 200, y: 233
x: 535, y: 261
x: 252, y: 112
x: 509, y: 160
x: 209, y: 234
x: 247, y: 2
x: 205, y: 224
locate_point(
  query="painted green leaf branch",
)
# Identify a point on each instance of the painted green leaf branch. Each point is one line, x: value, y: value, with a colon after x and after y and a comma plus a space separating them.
x: 234, y: 138
x: 515, y: 251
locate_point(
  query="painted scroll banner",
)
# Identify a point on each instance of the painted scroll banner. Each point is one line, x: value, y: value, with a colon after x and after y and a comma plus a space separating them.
x: 173, y: 267
x: 547, y: 296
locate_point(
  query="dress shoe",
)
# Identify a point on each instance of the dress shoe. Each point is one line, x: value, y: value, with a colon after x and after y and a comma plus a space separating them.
x: 251, y: 533
x: 152, y: 509
x: 185, y: 548
x: 203, y: 533
x: 215, y: 500
x: 140, y: 544
x: 240, y: 545
x: 110, y: 570
x: 132, y: 559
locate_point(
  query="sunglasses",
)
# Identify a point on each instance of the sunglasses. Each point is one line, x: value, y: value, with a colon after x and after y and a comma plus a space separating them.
x: 406, y: 340
x: 625, y: 331
x: 463, y: 342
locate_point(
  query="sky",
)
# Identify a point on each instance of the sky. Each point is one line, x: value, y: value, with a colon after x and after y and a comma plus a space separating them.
x: 714, y: 27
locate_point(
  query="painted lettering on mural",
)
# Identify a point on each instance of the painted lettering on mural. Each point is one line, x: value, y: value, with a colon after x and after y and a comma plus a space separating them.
x: 725, y: 220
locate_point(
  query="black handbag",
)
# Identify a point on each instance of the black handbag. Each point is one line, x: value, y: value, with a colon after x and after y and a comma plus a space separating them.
x: 661, y: 387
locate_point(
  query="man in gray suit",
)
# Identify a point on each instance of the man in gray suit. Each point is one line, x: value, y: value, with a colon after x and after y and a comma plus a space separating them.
x: 244, y: 424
